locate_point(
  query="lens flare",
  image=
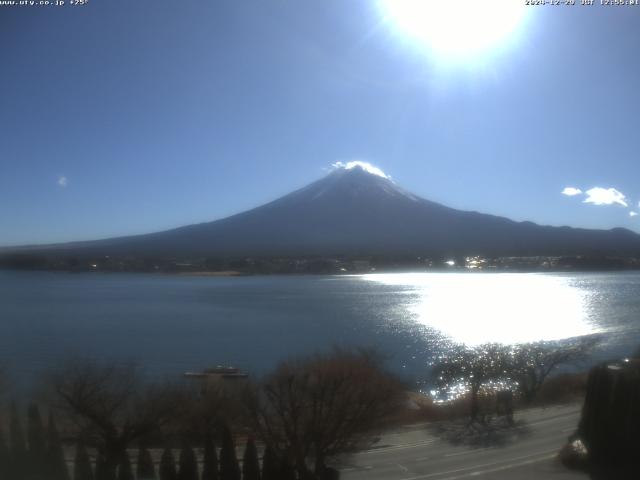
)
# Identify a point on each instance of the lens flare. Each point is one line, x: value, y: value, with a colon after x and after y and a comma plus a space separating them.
x: 457, y: 29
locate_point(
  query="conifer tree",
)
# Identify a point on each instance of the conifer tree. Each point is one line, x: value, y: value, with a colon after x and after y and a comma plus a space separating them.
x: 286, y: 469
x: 101, y: 467
x: 270, y: 467
x: 250, y: 464
x: 125, y: 472
x: 145, y: 469
x: 56, y: 465
x: 188, y: 464
x: 229, y: 468
x: 82, y: 464
x: 168, y: 466
x: 210, y: 464
x: 37, y: 450
x: 17, y: 451
x: 4, y: 456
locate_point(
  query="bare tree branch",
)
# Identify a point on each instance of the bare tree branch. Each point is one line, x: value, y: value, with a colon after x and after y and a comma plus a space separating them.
x: 111, y: 405
x: 313, y: 409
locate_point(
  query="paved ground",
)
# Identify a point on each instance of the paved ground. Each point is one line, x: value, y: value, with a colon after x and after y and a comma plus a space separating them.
x: 423, y: 452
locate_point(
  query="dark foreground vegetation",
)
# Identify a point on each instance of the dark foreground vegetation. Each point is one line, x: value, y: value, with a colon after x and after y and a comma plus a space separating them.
x: 113, y: 425
x: 607, y: 440
x: 104, y: 421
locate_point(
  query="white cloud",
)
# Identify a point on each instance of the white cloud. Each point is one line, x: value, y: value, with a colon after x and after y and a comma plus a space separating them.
x: 62, y: 181
x: 571, y: 191
x: 606, y: 196
x: 367, y: 167
x: 633, y: 214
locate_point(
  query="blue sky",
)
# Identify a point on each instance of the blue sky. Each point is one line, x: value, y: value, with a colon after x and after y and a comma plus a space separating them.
x: 125, y: 117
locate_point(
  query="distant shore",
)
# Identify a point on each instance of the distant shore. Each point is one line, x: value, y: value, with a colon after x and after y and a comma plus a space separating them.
x: 339, y: 264
x: 249, y: 272
x: 225, y: 273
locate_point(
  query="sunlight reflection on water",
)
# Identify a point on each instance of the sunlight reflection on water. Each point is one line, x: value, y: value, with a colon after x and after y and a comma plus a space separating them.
x: 495, y: 307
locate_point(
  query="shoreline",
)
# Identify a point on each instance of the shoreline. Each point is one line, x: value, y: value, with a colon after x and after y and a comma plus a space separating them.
x: 237, y: 273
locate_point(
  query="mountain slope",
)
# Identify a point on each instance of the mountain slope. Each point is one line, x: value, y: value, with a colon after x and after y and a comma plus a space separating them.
x: 355, y: 212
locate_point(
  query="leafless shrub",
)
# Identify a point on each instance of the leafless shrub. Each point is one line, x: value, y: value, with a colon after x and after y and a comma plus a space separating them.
x: 532, y: 363
x: 467, y: 371
x: 111, y: 406
x: 481, y: 371
x: 205, y: 408
x: 313, y: 409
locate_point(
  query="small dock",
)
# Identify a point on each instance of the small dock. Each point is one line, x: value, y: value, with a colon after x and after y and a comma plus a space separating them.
x: 219, y: 372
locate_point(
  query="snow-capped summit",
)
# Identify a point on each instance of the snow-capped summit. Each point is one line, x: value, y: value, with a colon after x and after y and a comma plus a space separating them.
x: 357, y: 164
x: 355, y: 179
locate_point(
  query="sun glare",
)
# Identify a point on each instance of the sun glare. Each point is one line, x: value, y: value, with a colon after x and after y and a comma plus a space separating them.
x: 456, y: 30
x: 505, y: 308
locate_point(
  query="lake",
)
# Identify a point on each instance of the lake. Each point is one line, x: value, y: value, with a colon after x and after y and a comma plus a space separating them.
x: 172, y: 323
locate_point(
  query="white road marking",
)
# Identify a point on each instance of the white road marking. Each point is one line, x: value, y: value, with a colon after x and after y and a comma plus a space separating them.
x: 556, y: 419
x: 397, y: 447
x: 356, y: 468
x: 466, y: 452
x: 476, y: 470
x: 503, y: 467
x: 429, y: 442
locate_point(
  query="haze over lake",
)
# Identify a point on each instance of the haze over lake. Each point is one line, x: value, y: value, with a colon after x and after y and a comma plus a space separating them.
x: 171, y: 324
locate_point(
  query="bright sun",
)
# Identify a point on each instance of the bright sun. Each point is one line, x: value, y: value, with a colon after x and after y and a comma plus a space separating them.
x: 456, y: 29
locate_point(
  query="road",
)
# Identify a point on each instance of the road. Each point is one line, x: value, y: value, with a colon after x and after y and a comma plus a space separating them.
x: 414, y: 453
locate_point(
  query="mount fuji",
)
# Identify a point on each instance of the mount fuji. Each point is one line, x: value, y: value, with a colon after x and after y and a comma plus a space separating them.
x: 357, y: 210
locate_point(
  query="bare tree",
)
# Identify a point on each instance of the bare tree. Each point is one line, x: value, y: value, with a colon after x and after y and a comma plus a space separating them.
x: 513, y: 367
x: 532, y: 363
x: 472, y: 369
x: 111, y: 406
x: 207, y: 407
x: 310, y: 410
